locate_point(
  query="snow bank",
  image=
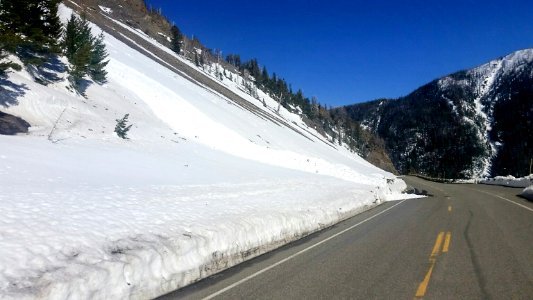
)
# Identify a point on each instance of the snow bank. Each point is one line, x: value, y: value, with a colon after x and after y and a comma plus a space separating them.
x: 202, y: 184
x: 528, y: 193
x: 509, y: 180
x: 102, y: 221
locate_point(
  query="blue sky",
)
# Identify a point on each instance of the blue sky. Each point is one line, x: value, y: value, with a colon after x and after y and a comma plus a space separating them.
x: 345, y: 52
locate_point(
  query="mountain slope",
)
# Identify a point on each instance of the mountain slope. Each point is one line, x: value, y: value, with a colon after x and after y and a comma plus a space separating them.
x: 147, y: 31
x: 468, y: 124
x: 204, y: 181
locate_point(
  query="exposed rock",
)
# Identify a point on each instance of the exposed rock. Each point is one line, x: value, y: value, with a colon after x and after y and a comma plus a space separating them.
x: 11, y: 125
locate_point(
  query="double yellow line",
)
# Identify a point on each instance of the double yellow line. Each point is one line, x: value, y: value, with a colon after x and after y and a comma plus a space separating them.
x: 422, y: 287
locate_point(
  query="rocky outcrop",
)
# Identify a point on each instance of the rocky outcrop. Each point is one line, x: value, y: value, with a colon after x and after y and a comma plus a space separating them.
x: 11, y: 125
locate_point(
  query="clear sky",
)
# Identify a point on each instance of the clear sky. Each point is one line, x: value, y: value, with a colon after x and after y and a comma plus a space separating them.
x: 345, y: 52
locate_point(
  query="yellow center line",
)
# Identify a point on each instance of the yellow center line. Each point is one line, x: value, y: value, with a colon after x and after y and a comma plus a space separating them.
x: 449, y: 208
x: 447, y: 242
x: 422, y: 287
x: 421, y: 291
x: 438, y: 243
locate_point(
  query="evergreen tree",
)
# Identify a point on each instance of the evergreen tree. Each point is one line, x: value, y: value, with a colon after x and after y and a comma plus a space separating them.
x: 264, y: 74
x: 121, y: 129
x: 196, y: 60
x: 53, y: 27
x: 70, y: 37
x: 97, y: 64
x: 176, y: 39
x: 254, y: 69
x: 3, y: 69
x: 5, y: 64
x: 234, y: 60
x: 30, y: 29
x: 80, y: 64
x: 202, y: 58
x: 77, y: 44
x: 9, y: 38
x: 85, y: 53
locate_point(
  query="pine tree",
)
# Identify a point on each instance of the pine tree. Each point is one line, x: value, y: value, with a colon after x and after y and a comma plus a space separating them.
x: 121, y: 129
x: 77, y: 45
x: 264, y: 75
x: 53, y: 27
x: 6, y: 64
x: 85, y: 53
x: 70, y: 37
x: 30, y: 29
x: 3, y: 65
x: 80, y: 64
x: 97, y: 64
x: 196, y: 60
x: 202, y: 58
x: 176, y: 39
x: 9, y: 38
x: 234, y: 60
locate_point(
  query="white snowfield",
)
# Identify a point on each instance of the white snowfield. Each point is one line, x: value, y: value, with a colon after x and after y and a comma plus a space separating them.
x: 509, y: 180
x: 201, y: 184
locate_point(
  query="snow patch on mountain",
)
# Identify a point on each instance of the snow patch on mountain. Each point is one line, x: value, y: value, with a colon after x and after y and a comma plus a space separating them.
x: 486, y: 76
x: 479, y: 111
x: 107, y: 10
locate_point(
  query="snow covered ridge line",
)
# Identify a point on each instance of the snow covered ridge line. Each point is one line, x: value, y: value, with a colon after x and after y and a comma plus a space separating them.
x: 510, y: 181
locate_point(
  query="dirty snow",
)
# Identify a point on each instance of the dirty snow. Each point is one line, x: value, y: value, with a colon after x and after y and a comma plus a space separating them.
x: 509, y: 181
x: 528, y: 193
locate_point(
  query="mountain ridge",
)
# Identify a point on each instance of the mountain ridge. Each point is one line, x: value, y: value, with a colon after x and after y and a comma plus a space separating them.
x: 466, y: 115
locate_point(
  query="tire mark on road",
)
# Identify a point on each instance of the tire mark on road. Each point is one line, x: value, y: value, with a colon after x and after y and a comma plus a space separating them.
x: 475, y: 262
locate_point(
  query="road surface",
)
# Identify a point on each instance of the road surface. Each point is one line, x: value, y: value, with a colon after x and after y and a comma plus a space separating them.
x: 462, y: 242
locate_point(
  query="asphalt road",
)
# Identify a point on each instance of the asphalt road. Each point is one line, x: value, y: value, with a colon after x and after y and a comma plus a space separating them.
x: 462, y: 242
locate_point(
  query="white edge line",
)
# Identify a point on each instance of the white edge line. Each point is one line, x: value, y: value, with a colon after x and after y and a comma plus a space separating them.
x: 528, y: 208
x: 229, y: 287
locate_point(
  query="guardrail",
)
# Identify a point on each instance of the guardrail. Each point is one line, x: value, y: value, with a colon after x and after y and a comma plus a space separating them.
x: 440, y: 180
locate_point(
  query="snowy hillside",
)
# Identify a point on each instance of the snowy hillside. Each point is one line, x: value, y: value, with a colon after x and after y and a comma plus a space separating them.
x: 201, y: 184
x: 470, y: 124
x: 479, y: 110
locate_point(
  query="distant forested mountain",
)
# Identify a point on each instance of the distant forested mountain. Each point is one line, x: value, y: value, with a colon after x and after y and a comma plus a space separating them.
x: 471, y: 123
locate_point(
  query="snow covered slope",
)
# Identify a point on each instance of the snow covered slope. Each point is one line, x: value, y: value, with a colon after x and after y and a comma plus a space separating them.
x: 202, y: 184
x: 483, y: 82
x: 469, y: 124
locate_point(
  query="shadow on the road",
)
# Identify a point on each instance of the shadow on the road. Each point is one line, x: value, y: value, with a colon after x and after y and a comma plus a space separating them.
x: 525, y: 198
